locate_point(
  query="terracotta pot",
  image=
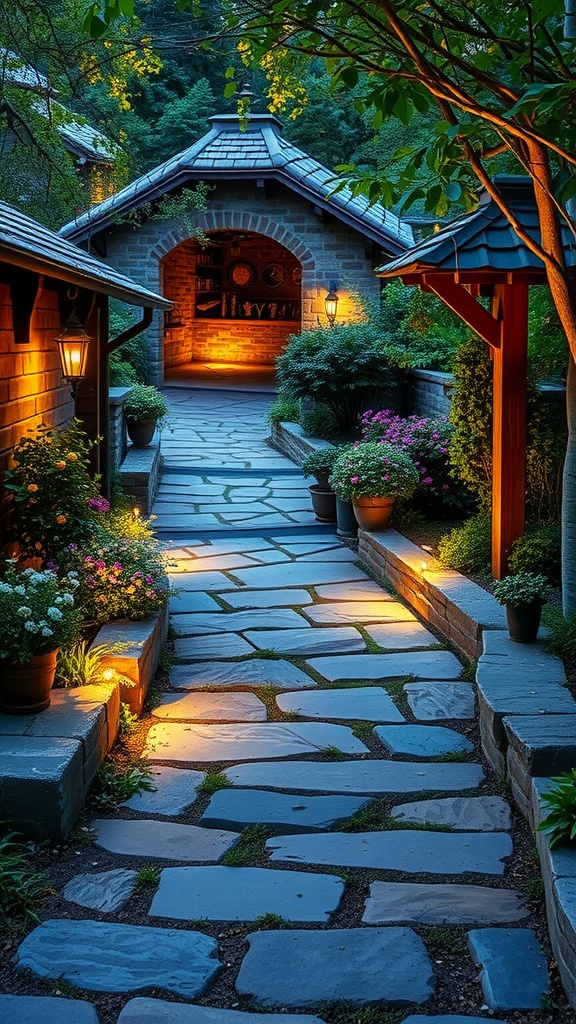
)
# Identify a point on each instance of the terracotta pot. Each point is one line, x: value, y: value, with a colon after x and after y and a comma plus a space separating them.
x: 141, y: 432
x: 323, y: 503
x: 373, y: 513
x: 25, y: 689
x: 524, y: 621
x: 347, y: 525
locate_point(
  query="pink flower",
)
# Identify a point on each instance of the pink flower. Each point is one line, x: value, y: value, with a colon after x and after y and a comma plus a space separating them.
x: 354, y: 479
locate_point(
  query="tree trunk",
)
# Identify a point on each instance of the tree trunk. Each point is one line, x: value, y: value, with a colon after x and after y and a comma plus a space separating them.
x: 569, y: 498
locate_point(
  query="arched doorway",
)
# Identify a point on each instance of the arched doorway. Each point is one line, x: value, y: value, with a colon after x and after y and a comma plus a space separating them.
x: 236, y: 299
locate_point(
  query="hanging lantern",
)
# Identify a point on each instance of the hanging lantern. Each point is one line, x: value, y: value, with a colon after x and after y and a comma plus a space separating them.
x: 73, y: 345
x: 331, y: 304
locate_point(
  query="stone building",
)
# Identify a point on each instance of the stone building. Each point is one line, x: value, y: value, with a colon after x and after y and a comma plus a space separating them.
x: 279, y: 239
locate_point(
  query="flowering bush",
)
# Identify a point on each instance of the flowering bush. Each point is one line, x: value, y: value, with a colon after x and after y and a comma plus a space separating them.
x: 373, y: 469
x: 425, y: 440
x: 523, y: 588
x: 55, y: 501
x: 38, y: 612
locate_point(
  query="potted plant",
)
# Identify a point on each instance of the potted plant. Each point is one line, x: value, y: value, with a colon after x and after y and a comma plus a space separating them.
x: 145, y: 409
x: 372, y: 475
x: 38, y: 614
x: 319, y: 464
x: 523, y: 595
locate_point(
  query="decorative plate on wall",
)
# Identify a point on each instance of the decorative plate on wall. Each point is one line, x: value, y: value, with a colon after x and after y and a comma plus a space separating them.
x: 297, y: 275
x: 242, y: 273
x: 273, y: 275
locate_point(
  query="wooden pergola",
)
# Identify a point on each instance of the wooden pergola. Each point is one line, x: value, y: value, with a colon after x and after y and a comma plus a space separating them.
x: 480, y: 255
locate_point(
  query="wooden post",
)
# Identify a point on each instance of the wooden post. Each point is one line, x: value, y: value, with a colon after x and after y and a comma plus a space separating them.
x: 509, y: 427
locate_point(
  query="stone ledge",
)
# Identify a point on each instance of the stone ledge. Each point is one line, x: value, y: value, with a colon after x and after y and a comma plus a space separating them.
x: 140, y: 474
x: 290, y: 439
x: 48, y: 761
x: 140, y: 661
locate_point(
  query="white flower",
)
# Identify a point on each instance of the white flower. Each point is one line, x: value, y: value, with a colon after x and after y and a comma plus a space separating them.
x: 5, y: 588
x: 24, y: 610
x: 54, y: 613
x: 66, y: 599
x: 31, y: 626
x: 47, y: 632
x: 20, y: 590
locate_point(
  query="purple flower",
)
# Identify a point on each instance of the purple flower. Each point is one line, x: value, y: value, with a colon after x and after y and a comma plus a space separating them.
x: 99, y: 504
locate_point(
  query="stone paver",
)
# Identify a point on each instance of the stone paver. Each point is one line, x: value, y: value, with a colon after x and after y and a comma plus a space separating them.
x: 205, y: 648
x: 172, y: 741
x: 192, y: 601
x: 237, y: 808
x: 360, y: 611
x: 266, y: 599
x: 369, y: 778
x: 157, y: 1011
x: 301, y: 642
x: 100, y: 957
x: 245, y: 894
x: 362, y: 703
x: 412, y: 852
x: 447, y: 701
x: 211, y: 707
x: 424, y: 665
x: 299, y: 574
x: 256, y: 672
x: 465, y: 813
x: 306, y: 968
x: 106, y: 891
x: 514, y: 973
x: 362, y: 590
x: 200, y: 624
x: 46, y: 1010
x: 416, y: 903
x: 403, y: 636
x: 422, y: 740
x: 174, y: 790
x: 162, y: 840
x: 445, y: 1018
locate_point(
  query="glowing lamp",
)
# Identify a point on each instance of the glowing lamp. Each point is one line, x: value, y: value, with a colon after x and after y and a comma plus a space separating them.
x: 73, y: 345
x: 331, y: 305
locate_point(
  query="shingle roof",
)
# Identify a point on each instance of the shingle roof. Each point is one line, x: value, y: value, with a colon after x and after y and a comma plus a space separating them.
x: 26, y: 243
x: 227, y: 152
x: 483, y: 240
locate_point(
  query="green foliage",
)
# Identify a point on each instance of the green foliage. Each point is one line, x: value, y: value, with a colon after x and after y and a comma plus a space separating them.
x: 320, y: 421
x: 127, y: 721
x: 467, y: 548
x: 182, y: 123
x: 270, y: 921
x: 21, y: 888
x: 148, y: 877
x: 560, y: 823
x: 146, y: 403
x: 341, y: 367
x: 121, y: 373
x: 521, y: 588
x: 212, y: 783
x: 539, y: 550
x: 283, y: 409
x: 321, y: 460
x: 373, y: 469
x: 115, y: 782
x: 470, y: 449
x: 38, y: 612
x: 80, y: 665
x: 561, y: 639
x: 547, y: 347
x: 249, y: 849
x: 417, y: 328
x: 129, y: 363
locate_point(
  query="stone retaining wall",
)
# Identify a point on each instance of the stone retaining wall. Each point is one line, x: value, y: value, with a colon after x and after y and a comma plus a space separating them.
x: 118, y: 441
x: 430, y: 392
x: 138, y: 663
x: 140, y: 474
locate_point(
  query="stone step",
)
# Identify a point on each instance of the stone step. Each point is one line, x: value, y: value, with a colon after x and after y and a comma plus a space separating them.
x: 174, y: 791
x: 163, y: 840
x: 245, y: 894
x: 205, y: 648
x: 266, y: 599
x: 158, y: 1011
x: 421, y: 664
x: 514, y: 973
x: 305, y: 968
x: 437, y: 853
x: 302, y: 642
x: 211, y: 707
x: 342, y: 612
x: 229, y: 674
x: 299, y: 574
x: 434, y: 701
x: 362, y: 703
x: 404, y: 636
x: 415, y: 903
x: 106, y: 891
x: 171, y: 741
x: 422, y: 741
x: 463, y: 813
x: 446, y: 1018
x: 237, y: 808
x: 206, y: 623
x: 100, y: 957
x: 366, y: 778
x: 46, y: 1010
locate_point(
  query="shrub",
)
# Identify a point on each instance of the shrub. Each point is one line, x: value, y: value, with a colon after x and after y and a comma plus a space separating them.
x: 120, y: 372
x: 319, y: 422
x: 470, y: 448
x: 561, y: 639
x: 539, y: 550
x: 80, y: 665
x: 467, y: 548
x: 283, y: 409
x: 319, y: 461
x: 522, y: 588
x: 21, y: 888
x: 341, y: 367
x: 146, y: 403
x: 417, y: 328
x: 560, y: 823
x: 373, y: 469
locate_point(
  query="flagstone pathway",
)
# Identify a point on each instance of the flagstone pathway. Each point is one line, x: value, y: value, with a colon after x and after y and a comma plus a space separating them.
x: 345, y: 737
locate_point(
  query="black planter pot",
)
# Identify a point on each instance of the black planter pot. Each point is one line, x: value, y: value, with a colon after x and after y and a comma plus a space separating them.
x: 141, y: 432
x: 524, y: 621
x: 347, y: 525
x: 323, y: 503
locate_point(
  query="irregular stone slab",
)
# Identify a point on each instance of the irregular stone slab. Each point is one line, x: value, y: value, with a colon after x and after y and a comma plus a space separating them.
x: 464, y: 813
x: 444, y: 1018
x: 194, y: 581
x: 423, y: 664
x: 361, y: 611
x: 443, y: 701
x: 413, y: 903
x: 211, y: 707
x: 237, y: 808
x: 514, y: 973
x: 255, y: 673
x: 362, y: 703
x: 244, y: 894
x: 157, y: 1011
x: 192, y: 601
x: 267, y: 598
x: 204, y: 648
x: 46, y: 1010
x: 163, y: 840
x: 301, y: 642
x: 364, y: 590
x: 299, y: 574
x: 368, y: 778
x: 105, y: 891
x: 99, y: 956
x: 200, y: 624
x: 175, y: 789
x: 435, y: 852
x: 178, y: 742
x: 303, y: 968
x: 422, y: 740
x: 401, y: 637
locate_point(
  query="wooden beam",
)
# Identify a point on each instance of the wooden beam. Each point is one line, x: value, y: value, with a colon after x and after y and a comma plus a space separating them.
x: 465, y: 306
x: 509, y: 424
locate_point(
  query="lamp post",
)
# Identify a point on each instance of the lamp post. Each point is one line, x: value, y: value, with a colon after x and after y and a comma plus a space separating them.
x: 72, y: 344
x: 331, y: 304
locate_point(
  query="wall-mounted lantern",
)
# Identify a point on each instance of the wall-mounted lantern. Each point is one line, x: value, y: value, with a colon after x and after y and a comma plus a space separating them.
x: 331, y: 304
x: 73, y: 345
